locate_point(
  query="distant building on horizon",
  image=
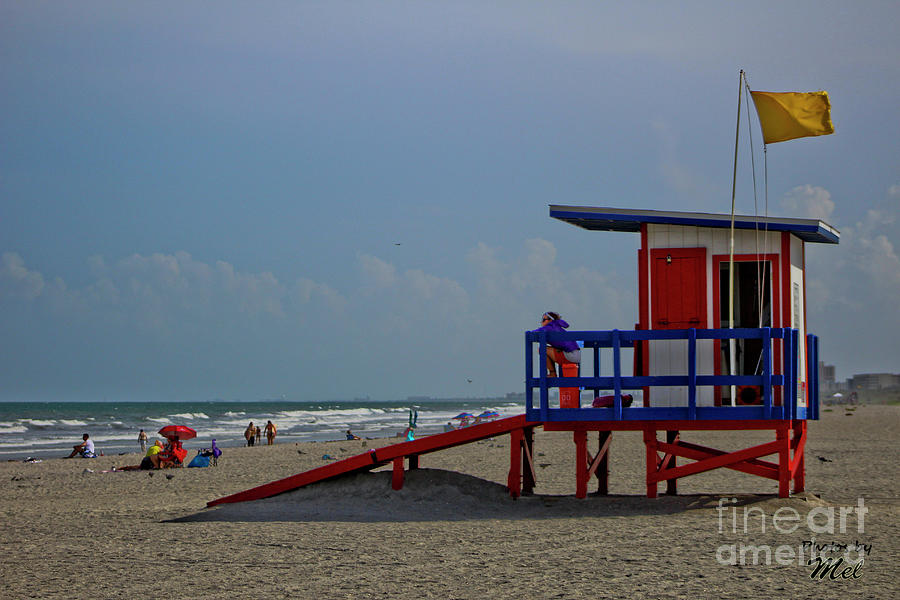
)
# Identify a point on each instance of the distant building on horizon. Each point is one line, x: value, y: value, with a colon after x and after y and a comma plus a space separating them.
x: 828, y: 383
x: 826, y: 373
x: 829, y: 386
x: 873, y: 381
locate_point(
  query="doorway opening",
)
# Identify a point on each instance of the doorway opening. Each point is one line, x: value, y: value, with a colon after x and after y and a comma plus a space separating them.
x: 752, y: 309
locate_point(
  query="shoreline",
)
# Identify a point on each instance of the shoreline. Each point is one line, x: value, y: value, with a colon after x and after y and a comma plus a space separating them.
x: 44, y: 431
x: 190, y: 446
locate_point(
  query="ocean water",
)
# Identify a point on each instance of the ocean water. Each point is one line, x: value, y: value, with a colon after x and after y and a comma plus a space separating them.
x: 50, y: 429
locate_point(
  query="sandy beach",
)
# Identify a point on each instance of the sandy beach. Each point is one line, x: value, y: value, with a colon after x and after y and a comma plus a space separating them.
x: 452, y: 532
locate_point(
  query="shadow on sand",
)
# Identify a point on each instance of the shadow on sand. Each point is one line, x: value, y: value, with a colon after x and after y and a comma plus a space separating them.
x: 438, y: 495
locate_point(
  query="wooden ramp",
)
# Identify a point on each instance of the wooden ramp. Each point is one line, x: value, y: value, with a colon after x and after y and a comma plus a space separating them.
x: 378, y: 457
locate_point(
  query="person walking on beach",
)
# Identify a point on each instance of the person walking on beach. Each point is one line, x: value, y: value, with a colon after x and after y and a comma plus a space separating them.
x: 250, y: 434
x: 258, y: 434
x: 142, y: 439
x: 271, y: 432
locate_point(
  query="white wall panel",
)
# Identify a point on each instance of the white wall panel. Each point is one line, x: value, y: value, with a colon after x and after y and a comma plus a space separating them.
x: 669, y: 357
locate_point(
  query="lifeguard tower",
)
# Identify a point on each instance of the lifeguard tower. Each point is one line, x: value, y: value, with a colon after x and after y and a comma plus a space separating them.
x: 697, y: 364
x: 692, y: 370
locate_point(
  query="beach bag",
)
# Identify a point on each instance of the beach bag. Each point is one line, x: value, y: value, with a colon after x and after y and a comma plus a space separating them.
x: 199, y: 461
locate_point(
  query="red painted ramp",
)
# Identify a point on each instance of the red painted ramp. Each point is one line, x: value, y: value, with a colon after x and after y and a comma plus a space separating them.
x: 381, y: 456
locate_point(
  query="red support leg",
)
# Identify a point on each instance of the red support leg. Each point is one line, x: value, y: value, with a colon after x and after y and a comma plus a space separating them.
x: 514, y: 479
x: 581, y: 464
x: 784, y: 462
x: 397, y: 478
x: 799, y: 456
x: 652, y: 461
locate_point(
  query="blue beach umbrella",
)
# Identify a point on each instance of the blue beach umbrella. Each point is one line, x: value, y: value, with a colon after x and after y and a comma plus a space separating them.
x: 488, y: 414
x: 464, y: 415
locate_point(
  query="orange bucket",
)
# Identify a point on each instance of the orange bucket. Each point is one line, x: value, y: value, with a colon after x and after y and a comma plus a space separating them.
x: 569, y: 397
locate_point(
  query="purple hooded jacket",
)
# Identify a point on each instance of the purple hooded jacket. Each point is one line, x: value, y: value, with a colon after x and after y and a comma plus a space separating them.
x: 559, y: 325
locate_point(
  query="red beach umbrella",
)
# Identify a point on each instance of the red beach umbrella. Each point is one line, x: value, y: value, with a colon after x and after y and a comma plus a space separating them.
x: 182, y: 431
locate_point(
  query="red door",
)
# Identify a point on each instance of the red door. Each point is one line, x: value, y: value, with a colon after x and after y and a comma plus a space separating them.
x: 678, y: 288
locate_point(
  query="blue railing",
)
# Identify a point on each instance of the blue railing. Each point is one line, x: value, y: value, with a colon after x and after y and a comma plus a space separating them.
x: 786, y: 380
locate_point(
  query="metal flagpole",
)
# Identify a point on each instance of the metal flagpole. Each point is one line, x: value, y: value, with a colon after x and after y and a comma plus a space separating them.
x: 732, y: 368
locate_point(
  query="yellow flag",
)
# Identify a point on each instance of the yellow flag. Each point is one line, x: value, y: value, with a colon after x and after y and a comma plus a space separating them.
x: 789, y: 115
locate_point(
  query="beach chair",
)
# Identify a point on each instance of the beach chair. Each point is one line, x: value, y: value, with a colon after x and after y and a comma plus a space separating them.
x: 212, y: 453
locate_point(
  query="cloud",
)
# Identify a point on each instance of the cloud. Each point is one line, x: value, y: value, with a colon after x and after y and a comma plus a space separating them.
x: 159, y: 292
x: 402, y: 302
x: 809, y: 201
x: 394, y: 331
x: 852, y: 289
x: 376, y: 272
x: 871, y: 252
x: 16, y: 280
x: 306, y: 293
x: 518, y: 291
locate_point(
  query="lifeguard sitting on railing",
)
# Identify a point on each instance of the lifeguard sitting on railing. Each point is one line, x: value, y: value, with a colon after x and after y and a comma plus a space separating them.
x: 558, y: 352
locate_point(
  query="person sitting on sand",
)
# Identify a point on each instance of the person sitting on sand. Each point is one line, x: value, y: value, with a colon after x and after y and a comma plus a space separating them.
x: 173, y: 455
x: 352, y: 436
x: 155, y: 448
x: 559, y: 352
x: 147, y: 463
x: 85, y: 449
x: 271, y: 432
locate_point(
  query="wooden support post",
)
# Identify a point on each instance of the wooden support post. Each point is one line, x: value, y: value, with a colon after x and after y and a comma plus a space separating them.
x: 672, y: 437
x: 397, y: 478
x: 528, y: 461
x: 514, y: 479
x: 581, y: 463
x: 652, y: 461
x: 602, y: 472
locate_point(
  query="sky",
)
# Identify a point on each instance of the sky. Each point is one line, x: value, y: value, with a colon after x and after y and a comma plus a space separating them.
x: 330, y: 200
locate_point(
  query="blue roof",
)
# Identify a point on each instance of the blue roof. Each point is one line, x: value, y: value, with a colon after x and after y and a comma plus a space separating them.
x: 621, y: 219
